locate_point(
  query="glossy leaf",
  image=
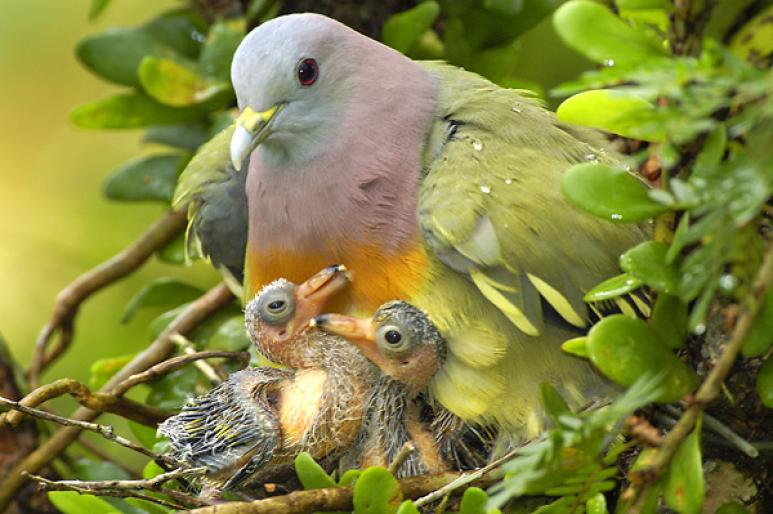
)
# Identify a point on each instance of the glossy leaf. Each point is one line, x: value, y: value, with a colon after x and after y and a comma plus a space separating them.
x: 577, y: 346
x: 116, y: 54
x: 151, y: 470
x: 71, y: 502
x: 176, y: 85
x: 151, y: 178
x: 684, y: 486
x: 132, y: 110
x: 610, y: 110
x: 765, y: 383
x: 171, y: 391
x: 609, y: 193
x: 612, y: 288
x: 403, y: 30
x: 760, y: 336
x: 669, y: 320
x: 147, y: 436
x: 594, y: 31
x: 349, y: 477
x: 597, y: 504
x: 182, y: 30
x: 647, y: 262
x: 161, y: 292
x: 474, y: 501
x: 310, y: 474
x: 626, y: 348
x: 376, y: 492
x: 147, y: 507
x: 97, y: 7
x: 230, y: 336
x: 187, y: 136
x: 408, y: 507
x: 216, y: 56
x: 103, y: 370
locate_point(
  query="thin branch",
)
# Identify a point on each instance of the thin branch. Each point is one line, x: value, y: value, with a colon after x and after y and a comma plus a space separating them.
x: 174, y: 363
x: 333, y: 499
x: 642, y: 480
x: 102, y: 402
x: 105, y: 431
x: 724, y: 431
x: 70, y: 298
x: 405, y: 452
x: 215, y: 374
x: 195, y: 313
x: 129, y: 488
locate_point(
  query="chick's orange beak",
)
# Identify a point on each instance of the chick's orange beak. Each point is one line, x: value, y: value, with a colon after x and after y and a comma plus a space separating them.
x: 312, y: 295
x: 361, y: 332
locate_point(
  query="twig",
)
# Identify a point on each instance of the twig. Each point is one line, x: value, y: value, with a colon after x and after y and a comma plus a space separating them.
x: 199, y: 310
x: 128, y: 488
x: 465, y: 479
x: 174, y: 363
x: 405, y: 452
x: 719, y: 428
x: 70, y: 298
x: 334, y: 498
x: 215, y: 374
x: 105, y: 431
x: 709, y: 389
x: 102, y: 402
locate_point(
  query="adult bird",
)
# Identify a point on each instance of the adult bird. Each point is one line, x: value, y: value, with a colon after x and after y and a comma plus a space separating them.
x: 433, y: 186
x: 408, y: 350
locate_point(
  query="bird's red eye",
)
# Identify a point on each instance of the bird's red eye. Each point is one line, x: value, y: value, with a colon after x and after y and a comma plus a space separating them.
x: 308, y: 71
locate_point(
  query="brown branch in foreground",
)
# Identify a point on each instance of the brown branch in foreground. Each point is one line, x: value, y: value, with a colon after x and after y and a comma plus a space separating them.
x: 105, y: 431
x: 199, y: 310
x: 130, y: 488
x: 709, y: 389
x: 70, y: 298
x: 336, y: 498
x: 129, y: 409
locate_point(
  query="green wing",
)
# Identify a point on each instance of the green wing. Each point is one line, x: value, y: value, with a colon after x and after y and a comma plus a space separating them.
x: 217, y: 207
x: 490, y: 204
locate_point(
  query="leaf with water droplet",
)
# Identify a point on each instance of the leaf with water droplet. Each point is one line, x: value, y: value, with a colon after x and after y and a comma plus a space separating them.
x: 612, y: 288
x: 647, y: 262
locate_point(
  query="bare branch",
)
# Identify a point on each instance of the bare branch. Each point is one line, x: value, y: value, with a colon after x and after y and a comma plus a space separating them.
x: 206, y: 305
x: 70, y: 298
x: 215, y: 374
x: 405, y: 452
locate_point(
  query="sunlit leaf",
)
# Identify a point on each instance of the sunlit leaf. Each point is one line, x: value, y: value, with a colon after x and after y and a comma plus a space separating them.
x: 594, y: 31
x: 176, y: 85
x: 310, y: 474
x: 754, y: 42
x: 613, y: 287
x: 596, y: 505
x: 132, y: 110
x: 609, y: 193
x: 103, y: 370
x: 647, y: 263
x: 403, y: 30
x: 684, y: 485
x: 376, y: 492
x: 474, y: 501
x: 610, y: 110
x: 577, y: 346
x: 71, y: 502
x: 151, y: 178
x: 96, y: 8
x: 626, y: 348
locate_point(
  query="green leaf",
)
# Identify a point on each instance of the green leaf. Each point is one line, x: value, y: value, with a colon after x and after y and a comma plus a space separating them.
x: 754, y: 42
x: 132, y: 110
x: 115, y: 54
x: 609, y: 193
x: 577, y: 346
x: 151, y: 178
x: 509, y: 7
x: 349, y: 478
x: 89, y: 469
x: 594, y: 31
x: 230, y: 336
x: 310, y: 474
x: 103, y: 370
x: 179, y: 29
x: 647, y: 262
x: 408, y: 507
x: 642, y: 4
x: 147, y: 436
x: 474, y: 501
x: 187, y: 136
x: 97, y: 7
x: 613, y: 111
x: 161, y: 292
x: 403, y: 30
x: 732, y: 508
x: 147, y: 507
x: 684, y: 486
x: 711, y: 154
x: 216, y: 56
x: 669, y: 320
x: 626, y: 348
x: 152, y: 469
x: 596, y: 505
x: 376, y: 492
x: 760, y: 336
x: 171, y: 391
x: 554, y: 404
x: 70, y: 502
x: 612, y: 288
x: 174, y: 251
x: 765, y: 383
x: 176, y: 85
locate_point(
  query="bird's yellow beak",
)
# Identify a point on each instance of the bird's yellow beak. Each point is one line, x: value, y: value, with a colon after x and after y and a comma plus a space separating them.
x: 252, y: 128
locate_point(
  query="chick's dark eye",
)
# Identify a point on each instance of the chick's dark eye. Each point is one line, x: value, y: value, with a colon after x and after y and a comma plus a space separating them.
x: 276, y: 305
x: 393, y: 336
x: 308, y: 72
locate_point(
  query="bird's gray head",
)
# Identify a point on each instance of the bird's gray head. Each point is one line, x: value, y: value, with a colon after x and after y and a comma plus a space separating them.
x: 293, y: 76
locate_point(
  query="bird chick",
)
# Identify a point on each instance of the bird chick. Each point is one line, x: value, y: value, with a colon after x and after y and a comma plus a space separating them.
x: 253, y: 425
x: 408, y: 350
